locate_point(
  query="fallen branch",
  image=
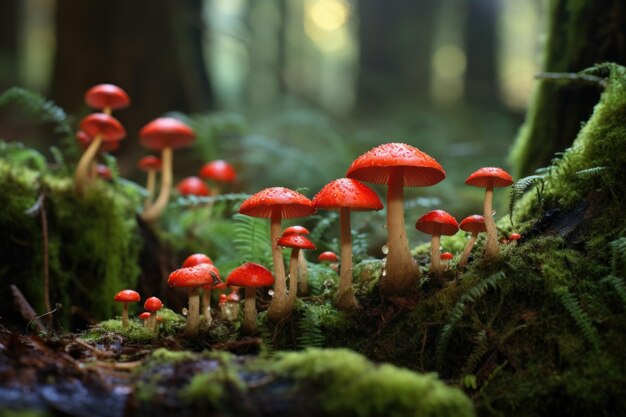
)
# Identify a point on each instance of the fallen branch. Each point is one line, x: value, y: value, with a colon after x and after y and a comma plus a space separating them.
x: 25, y: 309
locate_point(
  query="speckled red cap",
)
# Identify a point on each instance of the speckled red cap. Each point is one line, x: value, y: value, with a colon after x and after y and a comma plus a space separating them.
x: 291, y: 203
x: 196, y: 259
x: 166, y: 132
x: 102, y: 96
x: 127, y: 296
x: 195, y: 276
x: 193, y: 186
x: 437, y: 220
x: 473, y: 224
x: 295, y: 241
x: 419, y: 168
x: 298, y: 230
x: 347, y: 193
x: 153, y: 304
x: 250, y: 274
x: 489, y: 175
x: 108, y: 127
x: 218, y: 171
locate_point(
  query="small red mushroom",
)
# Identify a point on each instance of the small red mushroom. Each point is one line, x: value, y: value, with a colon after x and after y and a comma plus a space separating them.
x: 513, y: 238
x: 446, y: 258
x: 144, y: 317
x: 107, y: 97
x: 296, y: 243
x: 489, y: 178
x: 164, y: 134
x: 125, y: 297
x: 251, y: 276
x: 151, y: 165
x: 196, y: 259
x: 219, y: 172
x: 436, y: 223
x: 473, y: 224
x: 193, y: 186
x: 152, y: 304
x: 303, y: 277
x: 328, y: 256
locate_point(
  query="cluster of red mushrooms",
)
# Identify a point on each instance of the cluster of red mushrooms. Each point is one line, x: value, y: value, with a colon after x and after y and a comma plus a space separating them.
x: 396, y: 165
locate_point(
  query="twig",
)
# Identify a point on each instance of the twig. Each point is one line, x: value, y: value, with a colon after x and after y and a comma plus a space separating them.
x: 40, y: 207
x: 25, y: 309
x: 572, y: 76
x: 97, y: 352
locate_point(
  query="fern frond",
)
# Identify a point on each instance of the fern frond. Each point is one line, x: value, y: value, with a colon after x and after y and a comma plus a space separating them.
x: 520, y: 187
x: 252, y: 240
x: 492, y: 282
x: 310, y: 334
x: 583, y: 321
x: 44, y: 110
x: 590, y: 172
x: 618, y: 255
x: 19, y: 154
x: 481, y: 346
x: 618, y: 284
x: 323, y: 225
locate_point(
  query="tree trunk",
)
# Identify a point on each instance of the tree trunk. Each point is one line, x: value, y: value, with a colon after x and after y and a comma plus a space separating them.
x: 580, y: 34
x: 10, y: 19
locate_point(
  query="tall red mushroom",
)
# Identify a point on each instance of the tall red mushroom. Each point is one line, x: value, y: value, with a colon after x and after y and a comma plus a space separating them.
x: 125, y: 297
x: 297, y: 243
x: 107, y: 97
x: 436, y: 223
x: 250, y: 276
x: 397, y: 165
x: 489, y: 178
x: 473, y: 224
x: 303, y: 275
x: 151, y: 165
x: 277, y: 203
x: 345, y: 195
x: 164, y: 134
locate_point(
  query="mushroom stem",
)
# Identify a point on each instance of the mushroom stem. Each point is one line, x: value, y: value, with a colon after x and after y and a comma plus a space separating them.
x: 276, y: 311
x: 125, y: 316
x: 206, y: 305
x: 81, y: 177
x: 293, y: 279
x: 401, y: 273
x: 154, y: 210
x: 468, y: 249
x: 150, y: 184
x: 435, y: 255
x: 303, y: 275
x: 152, y: 322
x: 491, y: 245
x: 193, y: 312
x: 345, y: 300
x: 249, y: 316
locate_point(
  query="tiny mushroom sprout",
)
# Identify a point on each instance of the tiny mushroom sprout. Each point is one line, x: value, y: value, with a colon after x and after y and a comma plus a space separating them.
x: 296, y: 243
x: 250, y: 276
x: 233, y: 305
x: 152, y: 304
x: 218, y: 171
x: 107, y: 97
x: 473, y: 224
x: 446, y: 258
x: 397, y: 165
x: 102, y: 128
x: 328, y: 256
x: 193, y: 186
x: 346, y: 195
x: 193, y: 278
x: 125, y: 297
x: 277, y: 203
x: 164, y: 134
x: 151, y: 165
x: 144, y: 317
x: 303, y: 276
x: 489, y: 178
x: 514, y: 237
x: 222, y: 304
x: 436, y: 223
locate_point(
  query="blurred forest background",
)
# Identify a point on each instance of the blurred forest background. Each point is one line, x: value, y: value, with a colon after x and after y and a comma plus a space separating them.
x: 291, y: 91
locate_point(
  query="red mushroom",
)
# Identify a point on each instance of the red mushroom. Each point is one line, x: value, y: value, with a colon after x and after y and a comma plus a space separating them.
x: 193, y: 186
x: 436, y: 223
x: 303, y: 275
x: 473, y: 224
x: 445, y: 258
x: 277, y: 203
x: 126, y: 296
x: 101, y: 127
x: 164, y: 134
x: 346, y: 195
x: 328, y: 256
x: 488, y: 178
x: 251, y: 276
x: 193, y: 278
x: 513, y: 238
x: 296, y: 243
x: 144, y: 317
x: 151, y: 165
x: 152, y: 304
x: 218, y: 171
x: 107, y: 97
x: 196, y: 259
x: 397, y: 165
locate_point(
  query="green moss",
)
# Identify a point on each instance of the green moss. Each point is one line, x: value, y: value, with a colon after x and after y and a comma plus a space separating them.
x: 24, y: 413
x: 213, y: 387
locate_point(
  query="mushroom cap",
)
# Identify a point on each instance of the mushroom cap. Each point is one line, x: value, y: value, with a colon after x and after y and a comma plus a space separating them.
x: 149, y: 162
x: 249, y: 275
x: 196, y: 259
x: 195, y: 276
x: 299, y: 230
x: 473, y: 224
x: 295, y: 241
x: 489, y: 175
x: 104, y: 172
x: 127, y: 296
x: 446, y: 256
x: 515, y: 236
x: 108, y: 127
x: 223, y: 299
x: 347, y: 193
x: 144, y: 316
x: 233, y: 297
x: 436, y: 220
x: 219, y: 286
x: 328, y: 256
x: 193, y: 186
x: 219, y: 171
x: 420, y: 169
x: 84, y: 140
x: 166, y: 132
x: 291, y: 203
x: 107, y: 95
x: 153, y: 304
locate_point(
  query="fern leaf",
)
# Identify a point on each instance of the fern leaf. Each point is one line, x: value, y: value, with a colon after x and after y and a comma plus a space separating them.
x: 591, y: 172
x: 618, y: 255
x: 310, y: 333
x: 252, y: 239
x: 519, y: 188
x: 46, y: 111
x: 323, y: 225
x: 481, y: 346
x: 583, y: 321
x: 618, y: 284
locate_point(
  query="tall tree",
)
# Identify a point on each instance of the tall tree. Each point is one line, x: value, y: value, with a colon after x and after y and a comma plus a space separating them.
x: 580, y: 34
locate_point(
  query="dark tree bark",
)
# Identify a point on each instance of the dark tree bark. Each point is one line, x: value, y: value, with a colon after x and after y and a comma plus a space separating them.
x: 395, y: 43
x: 580, y: 34
x: 10, y: 18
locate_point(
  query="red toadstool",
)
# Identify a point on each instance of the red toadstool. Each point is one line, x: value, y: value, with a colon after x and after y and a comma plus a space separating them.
x: 296, y: 243
x: 152, y: 304
x: 446, y: 258
x: 193, y: 186
x: 107, y: 97
x: 513, y: 238
x: 397, y: 165
x: 218, y: 171
x: 151, y: 165
x: 251, y: 276
x: 303, y: 275
x: 436, y: 223
x: 473, y: 224
x: 345, y: 195
x: 489, y: 178
x: 126, y: 296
